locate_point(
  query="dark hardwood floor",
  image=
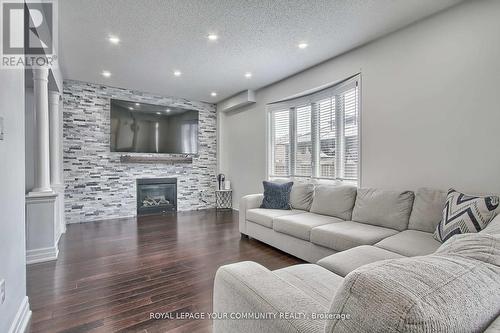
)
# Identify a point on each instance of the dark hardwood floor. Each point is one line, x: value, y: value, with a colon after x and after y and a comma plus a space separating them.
x: 111, y: 275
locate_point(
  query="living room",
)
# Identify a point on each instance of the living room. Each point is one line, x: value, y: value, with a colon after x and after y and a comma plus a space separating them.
x: 265, y: 166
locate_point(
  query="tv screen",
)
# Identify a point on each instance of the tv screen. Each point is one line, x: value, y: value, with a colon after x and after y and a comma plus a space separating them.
x: 146, y: 128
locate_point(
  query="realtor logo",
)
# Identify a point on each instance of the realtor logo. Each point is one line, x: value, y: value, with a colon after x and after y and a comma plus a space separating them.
x: 28, y: 34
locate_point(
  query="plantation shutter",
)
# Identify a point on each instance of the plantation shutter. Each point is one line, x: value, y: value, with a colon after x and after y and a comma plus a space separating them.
x: 303, y: 142
x: 351, y: 136
x: 280, y: 132
x: 327, y: 137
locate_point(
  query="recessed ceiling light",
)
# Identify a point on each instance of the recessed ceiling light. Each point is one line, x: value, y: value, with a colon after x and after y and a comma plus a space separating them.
x: 212, y: 37
x: 213, y: 94
x: 168, y: 110
x: 137, y: 104
x: 130, y: 108
x: 106, y: 73
x: 248, y: 75
x: 158, y: 112
x: 114, y: 40
x: 302, y: 45
x: 177, y: 73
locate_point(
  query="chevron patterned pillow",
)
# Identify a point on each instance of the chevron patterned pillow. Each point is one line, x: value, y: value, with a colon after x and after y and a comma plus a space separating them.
x: 464, y: 213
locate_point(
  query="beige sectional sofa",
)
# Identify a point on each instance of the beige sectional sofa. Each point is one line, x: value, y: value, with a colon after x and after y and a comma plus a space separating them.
x: 378, y: 269
x: 343, y: 217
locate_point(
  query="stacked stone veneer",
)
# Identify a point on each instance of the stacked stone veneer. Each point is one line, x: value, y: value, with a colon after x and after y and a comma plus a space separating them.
x: 98, y: 185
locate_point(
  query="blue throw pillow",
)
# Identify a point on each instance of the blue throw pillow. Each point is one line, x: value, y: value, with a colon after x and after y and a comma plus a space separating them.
x: 276, y: 195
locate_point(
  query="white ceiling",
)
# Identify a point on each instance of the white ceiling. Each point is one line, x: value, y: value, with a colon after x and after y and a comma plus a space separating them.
x: 159, y: 36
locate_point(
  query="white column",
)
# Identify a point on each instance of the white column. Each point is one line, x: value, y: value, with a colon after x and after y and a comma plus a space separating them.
x: 41, y: 144
x: 55, y: 139
x: 42, y: 203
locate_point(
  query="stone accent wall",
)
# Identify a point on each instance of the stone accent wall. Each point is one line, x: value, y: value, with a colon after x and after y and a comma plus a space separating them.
x: 98, y: 185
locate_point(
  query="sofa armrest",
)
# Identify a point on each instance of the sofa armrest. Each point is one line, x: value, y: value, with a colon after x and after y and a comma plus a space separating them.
x: 249, y: 288
x: 248, y: 202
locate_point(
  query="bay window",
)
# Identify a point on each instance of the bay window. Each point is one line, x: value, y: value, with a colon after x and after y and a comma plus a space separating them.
x: 317, y: 135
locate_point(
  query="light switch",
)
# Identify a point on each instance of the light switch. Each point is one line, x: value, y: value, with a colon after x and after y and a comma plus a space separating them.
x: 1, y: 128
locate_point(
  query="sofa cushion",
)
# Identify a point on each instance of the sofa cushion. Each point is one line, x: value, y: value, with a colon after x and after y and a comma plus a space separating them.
x: 493, y: 227
x: 301, y: 196
x: 427, y: 209
x: 494, y: 327
x: 464, y: 214
x: 410, y: 243
x: 342, y: 263
x: 345, y: 235
x: 420, y: 294
x: 313, y: 280
x: 300, y: 225
x: 247, y: 287
x: 264, y: 216
x: 385, y: 208
x: 336, y: 201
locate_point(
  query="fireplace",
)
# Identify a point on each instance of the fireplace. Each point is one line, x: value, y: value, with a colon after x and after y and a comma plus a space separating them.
x: 156, y: 195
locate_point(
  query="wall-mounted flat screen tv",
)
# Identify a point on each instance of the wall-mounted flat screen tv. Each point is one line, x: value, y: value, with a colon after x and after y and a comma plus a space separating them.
x: 145, y: 128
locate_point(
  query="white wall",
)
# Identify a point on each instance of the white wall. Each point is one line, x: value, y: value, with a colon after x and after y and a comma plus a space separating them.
x: 12, y: 234
x: 430, y: 107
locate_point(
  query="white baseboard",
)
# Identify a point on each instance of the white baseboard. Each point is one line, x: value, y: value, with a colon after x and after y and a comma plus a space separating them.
x: 59, y: 234
x: 22, y: 318
x: 102, y: 219
x: 41, y: 255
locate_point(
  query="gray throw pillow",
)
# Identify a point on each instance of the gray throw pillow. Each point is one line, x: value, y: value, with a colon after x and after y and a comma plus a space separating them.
x: 276, y: 195
x: 301, y: 196
x: 464, y: 213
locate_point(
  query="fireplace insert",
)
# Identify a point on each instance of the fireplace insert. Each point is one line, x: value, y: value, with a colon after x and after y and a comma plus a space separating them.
x: 156, y: 195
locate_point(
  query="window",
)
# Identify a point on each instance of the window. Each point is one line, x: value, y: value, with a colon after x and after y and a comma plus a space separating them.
x: 327, y: 137
x: 303, y: 141
x: 280, y: 121
x: 317, y: 136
